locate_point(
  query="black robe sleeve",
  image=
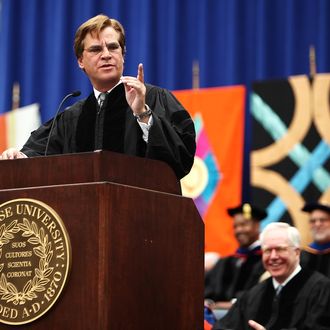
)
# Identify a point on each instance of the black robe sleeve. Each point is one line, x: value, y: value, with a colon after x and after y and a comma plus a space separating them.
x: 172, y: 135
x: 36, y: 144
x: 316, y: 261
x: 62, y: 139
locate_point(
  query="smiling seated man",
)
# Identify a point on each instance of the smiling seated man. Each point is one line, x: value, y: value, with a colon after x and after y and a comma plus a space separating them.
x: 292, y: 298
x: 233, y: 274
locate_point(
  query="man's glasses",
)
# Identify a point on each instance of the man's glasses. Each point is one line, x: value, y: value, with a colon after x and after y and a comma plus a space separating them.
x: 280, y: 250
x: 112, y: 47
x: 322, y: 221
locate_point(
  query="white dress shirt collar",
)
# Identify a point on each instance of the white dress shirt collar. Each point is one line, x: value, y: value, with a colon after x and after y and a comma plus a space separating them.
x: 97, y: 93
x: 293, y: 274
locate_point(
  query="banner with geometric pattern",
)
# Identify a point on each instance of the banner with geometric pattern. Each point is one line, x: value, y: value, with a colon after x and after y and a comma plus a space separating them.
x: 290, y: 158
x: 215, y: 181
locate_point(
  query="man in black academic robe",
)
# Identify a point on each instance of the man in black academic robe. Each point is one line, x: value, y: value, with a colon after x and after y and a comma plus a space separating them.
x: 236, y: 273
x: 171, y: 136
x: 303, y: 305
x: 123, y: 114
x: 316, y: 256
x: 291, y: 299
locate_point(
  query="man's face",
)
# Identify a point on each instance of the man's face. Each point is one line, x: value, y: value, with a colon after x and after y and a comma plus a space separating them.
x: 319, y: 222
x: 102, y: 59
x: 246, y: 230
x: 279, y: 257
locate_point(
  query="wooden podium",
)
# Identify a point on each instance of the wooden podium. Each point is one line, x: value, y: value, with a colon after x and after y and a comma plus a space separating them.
x: 137, y: 244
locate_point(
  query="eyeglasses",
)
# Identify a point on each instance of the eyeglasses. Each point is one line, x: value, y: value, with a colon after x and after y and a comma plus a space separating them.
x: 280, y: 250
x: 112, y: 47
x: 313, y: 221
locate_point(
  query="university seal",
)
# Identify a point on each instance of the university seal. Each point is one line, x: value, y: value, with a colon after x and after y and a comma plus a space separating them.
x: 35, y: 259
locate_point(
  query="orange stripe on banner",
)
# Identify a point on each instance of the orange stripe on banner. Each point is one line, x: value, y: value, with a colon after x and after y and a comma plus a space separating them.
x: 3, y: 133
x: 207, y: 326
x: 222, y: 111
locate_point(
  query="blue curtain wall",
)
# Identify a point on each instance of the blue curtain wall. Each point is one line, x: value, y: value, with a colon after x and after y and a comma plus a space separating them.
x: 234, y: 42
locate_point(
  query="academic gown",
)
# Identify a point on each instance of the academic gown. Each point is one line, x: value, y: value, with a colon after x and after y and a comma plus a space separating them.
x: 232, y: 275
x: 316, y: 257
x: 84, y: 127
x: 303, y: 304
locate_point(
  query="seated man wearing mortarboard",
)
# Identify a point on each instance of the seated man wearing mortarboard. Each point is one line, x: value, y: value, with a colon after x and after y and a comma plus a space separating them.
x: 233, y: 274
x: 317, y: 255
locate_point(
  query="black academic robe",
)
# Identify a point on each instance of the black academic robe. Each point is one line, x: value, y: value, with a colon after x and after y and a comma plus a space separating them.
x: 232, y: 275
x: 303, y: 304
x: 82, y: 127
x: 316, y: 260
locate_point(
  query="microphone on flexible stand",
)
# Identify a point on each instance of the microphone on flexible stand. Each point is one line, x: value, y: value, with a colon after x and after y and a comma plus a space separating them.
x: 72, y: 94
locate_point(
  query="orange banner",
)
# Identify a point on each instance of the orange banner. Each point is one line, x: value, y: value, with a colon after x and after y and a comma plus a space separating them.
x: 3, y: 133
x: 215, y: 181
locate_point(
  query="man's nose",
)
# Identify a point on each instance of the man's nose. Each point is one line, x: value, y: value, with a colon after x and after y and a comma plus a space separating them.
x: 273, y: 253
x: 105, y: 51
x: 239, y: 229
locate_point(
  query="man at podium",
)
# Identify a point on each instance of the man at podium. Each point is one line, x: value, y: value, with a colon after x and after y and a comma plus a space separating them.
x: 122, y: 114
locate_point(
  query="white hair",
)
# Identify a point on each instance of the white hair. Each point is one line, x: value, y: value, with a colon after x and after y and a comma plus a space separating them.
x: 292, y: 232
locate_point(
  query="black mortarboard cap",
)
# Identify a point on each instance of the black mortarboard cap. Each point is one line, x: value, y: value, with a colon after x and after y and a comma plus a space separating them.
x: 249, y: 211
x: 321, y: 205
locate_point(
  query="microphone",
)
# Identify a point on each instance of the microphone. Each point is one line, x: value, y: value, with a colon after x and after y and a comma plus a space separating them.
x: 72, y: 94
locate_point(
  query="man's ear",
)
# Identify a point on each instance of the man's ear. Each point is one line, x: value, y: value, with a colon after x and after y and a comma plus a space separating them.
x: 80, y: 63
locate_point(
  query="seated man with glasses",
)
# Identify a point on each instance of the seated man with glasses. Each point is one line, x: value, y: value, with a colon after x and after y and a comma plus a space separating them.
x: 317, y: 255
x: 292, y: 298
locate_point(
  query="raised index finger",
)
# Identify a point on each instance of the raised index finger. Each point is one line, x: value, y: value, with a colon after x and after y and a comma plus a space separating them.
x: 140, y: 75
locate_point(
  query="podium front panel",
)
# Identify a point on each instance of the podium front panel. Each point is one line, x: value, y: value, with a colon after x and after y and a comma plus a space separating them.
x: 137, y: 258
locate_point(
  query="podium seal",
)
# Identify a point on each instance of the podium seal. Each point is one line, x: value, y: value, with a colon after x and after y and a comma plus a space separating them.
x: 35, y: 260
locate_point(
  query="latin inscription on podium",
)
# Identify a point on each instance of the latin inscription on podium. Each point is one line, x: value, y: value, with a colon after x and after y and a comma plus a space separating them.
x: 35, y: 260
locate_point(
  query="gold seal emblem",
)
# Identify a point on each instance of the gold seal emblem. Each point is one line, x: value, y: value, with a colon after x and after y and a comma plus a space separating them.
x: 35, y: 259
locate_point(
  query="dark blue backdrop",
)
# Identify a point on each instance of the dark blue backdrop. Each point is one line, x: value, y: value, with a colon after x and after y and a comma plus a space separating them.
x: 234, y: 41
